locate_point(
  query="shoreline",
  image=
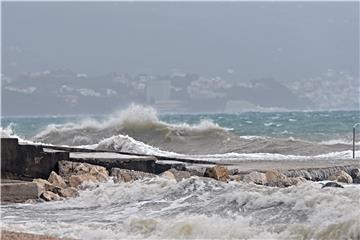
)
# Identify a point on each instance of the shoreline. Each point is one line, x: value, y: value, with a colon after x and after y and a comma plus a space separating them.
x: 14, y: 235
x: 58, y: 172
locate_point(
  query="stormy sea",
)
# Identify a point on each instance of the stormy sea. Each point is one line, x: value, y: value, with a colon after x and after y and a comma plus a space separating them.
x: 196, y: 207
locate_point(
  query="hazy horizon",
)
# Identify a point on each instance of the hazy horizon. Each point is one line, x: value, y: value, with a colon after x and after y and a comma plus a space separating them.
x: 98, y: 57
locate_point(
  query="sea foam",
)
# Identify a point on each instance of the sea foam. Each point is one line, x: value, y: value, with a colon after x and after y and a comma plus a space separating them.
x: 194, y: 208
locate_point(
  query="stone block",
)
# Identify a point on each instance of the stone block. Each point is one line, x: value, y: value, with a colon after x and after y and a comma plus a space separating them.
x: 18, y: 191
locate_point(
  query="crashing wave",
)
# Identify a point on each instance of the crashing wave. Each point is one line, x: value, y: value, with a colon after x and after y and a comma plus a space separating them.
x: 138, y: 129
x: 7, y: 132
x: 142, y: 124
x: 128, y: 144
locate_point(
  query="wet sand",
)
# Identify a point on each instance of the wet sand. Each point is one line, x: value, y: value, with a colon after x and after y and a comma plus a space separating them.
x: 9, y: 235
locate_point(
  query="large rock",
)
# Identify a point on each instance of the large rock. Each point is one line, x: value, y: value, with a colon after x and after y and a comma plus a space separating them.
x: 69, y: 192
x: 341, y: 176
x: 77, y: 180
x: 255, y: 177
x: 56, y: 180
x: 180, y: 175
x: 168, y: 175
x: 44, y: 185
x: 83, y: 168
x: 68, y: 168
x: 101, y: 177
x: 355, y: 175
x: 220, y: 173
x: 277, y: 179
x: 50, y: 196
x: 126, y: 175
x: 332, y: 184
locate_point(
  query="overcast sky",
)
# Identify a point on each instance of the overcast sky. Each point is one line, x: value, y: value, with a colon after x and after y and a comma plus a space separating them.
x: 280, y: 40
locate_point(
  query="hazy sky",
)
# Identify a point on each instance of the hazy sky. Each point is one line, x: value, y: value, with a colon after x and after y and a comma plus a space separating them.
x: 281, y: 40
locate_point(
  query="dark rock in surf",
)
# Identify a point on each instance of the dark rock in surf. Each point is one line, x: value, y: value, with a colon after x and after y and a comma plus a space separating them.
x: 332, y: 184
x: 233, y: 171
x: 355, y: 174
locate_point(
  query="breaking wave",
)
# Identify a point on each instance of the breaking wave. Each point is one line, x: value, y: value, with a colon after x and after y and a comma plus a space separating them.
x: 8, y: 132
x: 138, y: 129
x: 142, y: 124
x: 130, y: 145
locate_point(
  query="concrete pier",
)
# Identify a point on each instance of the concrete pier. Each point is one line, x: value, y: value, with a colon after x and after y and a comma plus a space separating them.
x: 116, y: 160
x: 26, y: 162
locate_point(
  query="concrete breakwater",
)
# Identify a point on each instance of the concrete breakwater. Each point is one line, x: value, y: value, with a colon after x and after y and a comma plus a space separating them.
x: 23, y: 163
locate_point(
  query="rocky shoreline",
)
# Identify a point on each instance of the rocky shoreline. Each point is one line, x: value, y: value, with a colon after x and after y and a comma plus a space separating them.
x: 74, y: 177
x: 54, y: 173
x: 74, y: 173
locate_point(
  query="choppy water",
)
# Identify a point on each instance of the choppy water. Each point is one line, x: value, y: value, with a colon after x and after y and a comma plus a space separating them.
x: 196, y: 207
x: 285, y: 135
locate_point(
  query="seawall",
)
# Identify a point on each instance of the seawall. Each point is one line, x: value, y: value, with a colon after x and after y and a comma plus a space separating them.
x: 26, y: 162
